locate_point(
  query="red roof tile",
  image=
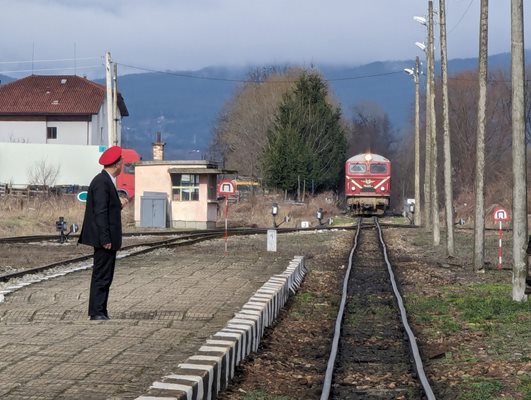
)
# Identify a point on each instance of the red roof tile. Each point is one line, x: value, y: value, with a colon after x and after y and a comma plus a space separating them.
x: 53, y: 95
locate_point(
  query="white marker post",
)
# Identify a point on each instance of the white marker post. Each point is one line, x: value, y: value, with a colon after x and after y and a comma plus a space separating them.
x: 226, y: 188
x: 500, y: 215
x: 226, y: 223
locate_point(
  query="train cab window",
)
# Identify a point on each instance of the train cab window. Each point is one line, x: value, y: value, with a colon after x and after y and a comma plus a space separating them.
x: 378, y: 168
x: 357, y: 168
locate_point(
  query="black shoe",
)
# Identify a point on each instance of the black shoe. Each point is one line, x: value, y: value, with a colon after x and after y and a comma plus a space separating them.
x: 98, y: 318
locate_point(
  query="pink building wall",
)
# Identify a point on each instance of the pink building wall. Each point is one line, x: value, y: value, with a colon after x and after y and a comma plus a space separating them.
x: 153, y: 176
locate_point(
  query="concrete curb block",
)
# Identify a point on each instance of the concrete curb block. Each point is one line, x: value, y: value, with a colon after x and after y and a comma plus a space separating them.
x: 203, y: 375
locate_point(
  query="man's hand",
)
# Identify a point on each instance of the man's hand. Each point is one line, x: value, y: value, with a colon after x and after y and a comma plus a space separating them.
x: 107, y: 246
x: 124, y: 201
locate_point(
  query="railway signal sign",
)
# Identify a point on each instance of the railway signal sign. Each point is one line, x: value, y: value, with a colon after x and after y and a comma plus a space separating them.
x: 500, y: 215
x: 226, y: 188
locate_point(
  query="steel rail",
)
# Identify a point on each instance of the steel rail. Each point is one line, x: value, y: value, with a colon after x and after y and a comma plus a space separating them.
x: 180, y: 241
x: 337, y: 329
x: 419, y: 367
x: 233, y: 231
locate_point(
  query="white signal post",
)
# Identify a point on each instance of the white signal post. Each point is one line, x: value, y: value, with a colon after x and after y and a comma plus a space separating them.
x: 226, y: 188
x: 500, y: 215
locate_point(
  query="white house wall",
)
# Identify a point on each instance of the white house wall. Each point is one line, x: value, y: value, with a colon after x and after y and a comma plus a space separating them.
x: 100, y: 134
x: 92, y: 132
x: 69, y: 132
x: 23, y: 131
x: 77, y: 164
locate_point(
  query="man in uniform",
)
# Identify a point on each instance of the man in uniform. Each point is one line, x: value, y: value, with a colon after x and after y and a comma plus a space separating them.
x: 102, y: 229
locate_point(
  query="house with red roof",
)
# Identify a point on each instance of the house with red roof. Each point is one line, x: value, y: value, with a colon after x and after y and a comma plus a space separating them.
x: 53, y: 125
x: 56, y: 109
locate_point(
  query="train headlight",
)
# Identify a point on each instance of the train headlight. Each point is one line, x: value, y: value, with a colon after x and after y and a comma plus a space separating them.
x: 382, y: 189
x: 353, y: 188
x: 368, y: 157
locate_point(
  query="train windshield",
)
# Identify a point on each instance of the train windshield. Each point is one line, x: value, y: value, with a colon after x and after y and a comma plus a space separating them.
x: 378, y: 168
x: 357, y: 168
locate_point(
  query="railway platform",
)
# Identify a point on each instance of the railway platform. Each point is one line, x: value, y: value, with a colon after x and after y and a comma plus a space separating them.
x: 164, y: 305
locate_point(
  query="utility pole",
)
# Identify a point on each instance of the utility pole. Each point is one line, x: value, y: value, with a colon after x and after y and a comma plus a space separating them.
x: 427, y: 153
x: 108, y: 84
x: 433, y: 128
x: 417, y: 216
x: 115, y: 106
x: 520, y: 234
x: 448, y: 195
x: 479, y: 222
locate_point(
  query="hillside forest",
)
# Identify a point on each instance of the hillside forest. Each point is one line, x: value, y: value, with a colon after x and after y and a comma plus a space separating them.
x: 284, y: 127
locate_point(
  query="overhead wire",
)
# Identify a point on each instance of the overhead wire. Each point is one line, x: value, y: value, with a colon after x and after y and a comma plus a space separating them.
x: 51, y: 60
x: 462, y: 17
x: 50, y: 69
x: 181, y: 75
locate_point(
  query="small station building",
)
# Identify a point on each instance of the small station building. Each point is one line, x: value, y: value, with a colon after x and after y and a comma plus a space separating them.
x: 176, y: 193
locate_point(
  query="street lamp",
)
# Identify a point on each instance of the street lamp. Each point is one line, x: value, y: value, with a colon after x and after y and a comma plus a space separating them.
x: 421, y: 20
x: 415, y: 73
x: 427, y: 49
x: 421, y: 46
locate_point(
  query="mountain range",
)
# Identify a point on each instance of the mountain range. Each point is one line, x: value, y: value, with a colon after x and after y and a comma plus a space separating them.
x: 184, y: 105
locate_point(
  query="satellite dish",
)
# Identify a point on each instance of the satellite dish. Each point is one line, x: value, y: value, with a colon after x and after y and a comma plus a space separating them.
x: 82, y: 196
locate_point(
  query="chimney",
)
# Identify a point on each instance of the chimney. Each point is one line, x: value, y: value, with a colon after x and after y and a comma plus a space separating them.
x: 158, y: 149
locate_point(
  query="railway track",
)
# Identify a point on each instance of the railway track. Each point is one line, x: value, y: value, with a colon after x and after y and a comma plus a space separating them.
x: 374, y: 352
x: 125, y: 251
x: 63, y: 265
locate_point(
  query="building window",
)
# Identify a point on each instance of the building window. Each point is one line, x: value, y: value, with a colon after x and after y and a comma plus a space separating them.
x: 51, y: 132
x: 185, y: 187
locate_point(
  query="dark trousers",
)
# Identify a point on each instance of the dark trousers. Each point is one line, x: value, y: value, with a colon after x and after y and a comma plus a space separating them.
x: 102, y: 274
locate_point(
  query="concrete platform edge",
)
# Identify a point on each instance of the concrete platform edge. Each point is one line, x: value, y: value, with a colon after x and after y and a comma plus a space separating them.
x: 203, y: 375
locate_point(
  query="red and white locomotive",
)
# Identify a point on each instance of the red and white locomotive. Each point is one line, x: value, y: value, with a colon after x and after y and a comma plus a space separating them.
x: 367, y: 184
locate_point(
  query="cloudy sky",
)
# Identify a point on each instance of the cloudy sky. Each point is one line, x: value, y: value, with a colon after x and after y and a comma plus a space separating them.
x: 191, y: 34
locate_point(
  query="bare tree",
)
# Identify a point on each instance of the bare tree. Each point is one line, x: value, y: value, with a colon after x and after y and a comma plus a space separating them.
x: 241, y: 131
x: 371, y: 130
x: 479, y: 221
x: 520, y: 233
x: 43, y: 174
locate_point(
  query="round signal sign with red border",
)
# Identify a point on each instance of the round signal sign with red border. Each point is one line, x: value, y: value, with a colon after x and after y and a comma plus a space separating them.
x: 501, y: 214
x: 226, y: 187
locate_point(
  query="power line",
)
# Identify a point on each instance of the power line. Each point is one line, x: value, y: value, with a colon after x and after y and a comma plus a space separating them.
x: 49, y: 69
x: 462, y: 17
x: 52, y: 60
x: 188, y: 76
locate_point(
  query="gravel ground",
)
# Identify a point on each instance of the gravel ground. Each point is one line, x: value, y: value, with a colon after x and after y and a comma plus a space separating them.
x: 464, y: 360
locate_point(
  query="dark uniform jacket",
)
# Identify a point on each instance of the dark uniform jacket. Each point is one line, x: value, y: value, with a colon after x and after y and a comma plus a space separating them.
x: 102, y: 223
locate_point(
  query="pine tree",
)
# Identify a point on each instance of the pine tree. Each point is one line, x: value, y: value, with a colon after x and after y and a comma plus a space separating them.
x: 307, y: 141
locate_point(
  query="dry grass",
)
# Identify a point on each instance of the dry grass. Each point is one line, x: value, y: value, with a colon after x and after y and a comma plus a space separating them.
x: 256, y: 211
x: 20, y: 216
x: 37, y: 215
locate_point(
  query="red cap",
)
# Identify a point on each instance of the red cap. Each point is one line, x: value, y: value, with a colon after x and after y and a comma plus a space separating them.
x: 110, y: 156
